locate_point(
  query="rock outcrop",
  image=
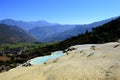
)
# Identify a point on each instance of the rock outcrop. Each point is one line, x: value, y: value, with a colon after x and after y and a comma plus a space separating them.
x: 84, y: 62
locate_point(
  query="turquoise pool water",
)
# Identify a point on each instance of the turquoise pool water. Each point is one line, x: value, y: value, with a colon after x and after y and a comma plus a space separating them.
x: 39, y: 60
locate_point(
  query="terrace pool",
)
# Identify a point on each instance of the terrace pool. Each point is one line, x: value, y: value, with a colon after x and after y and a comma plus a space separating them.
x: 40, y: 60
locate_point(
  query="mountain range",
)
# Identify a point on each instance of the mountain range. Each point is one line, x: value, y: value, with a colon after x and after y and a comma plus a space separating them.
x: 78, y: 29
x: 49, y: 32
x: 39, y: 29
x: 26, y: 25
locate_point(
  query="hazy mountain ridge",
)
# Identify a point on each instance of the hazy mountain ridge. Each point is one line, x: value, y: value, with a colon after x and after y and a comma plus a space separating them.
x: 51, y: 32
x: 39, y: 29
x: 26, y: 25
x: 43, y: 32
x: 75, y: 31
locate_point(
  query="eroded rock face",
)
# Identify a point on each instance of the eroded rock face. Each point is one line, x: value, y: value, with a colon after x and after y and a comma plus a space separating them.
x: 85, y: 62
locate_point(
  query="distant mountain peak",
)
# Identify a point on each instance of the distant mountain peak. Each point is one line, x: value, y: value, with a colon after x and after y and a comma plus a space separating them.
x: 26, y: 25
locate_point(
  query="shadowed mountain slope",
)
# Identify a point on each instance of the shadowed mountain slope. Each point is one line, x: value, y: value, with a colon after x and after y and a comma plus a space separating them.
x: 13, y: 34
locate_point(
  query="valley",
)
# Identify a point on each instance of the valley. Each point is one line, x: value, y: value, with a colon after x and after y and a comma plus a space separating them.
x: 13, y: 55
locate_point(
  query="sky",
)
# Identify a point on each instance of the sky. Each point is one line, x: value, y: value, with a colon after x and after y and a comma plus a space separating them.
x: 60, y: 11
